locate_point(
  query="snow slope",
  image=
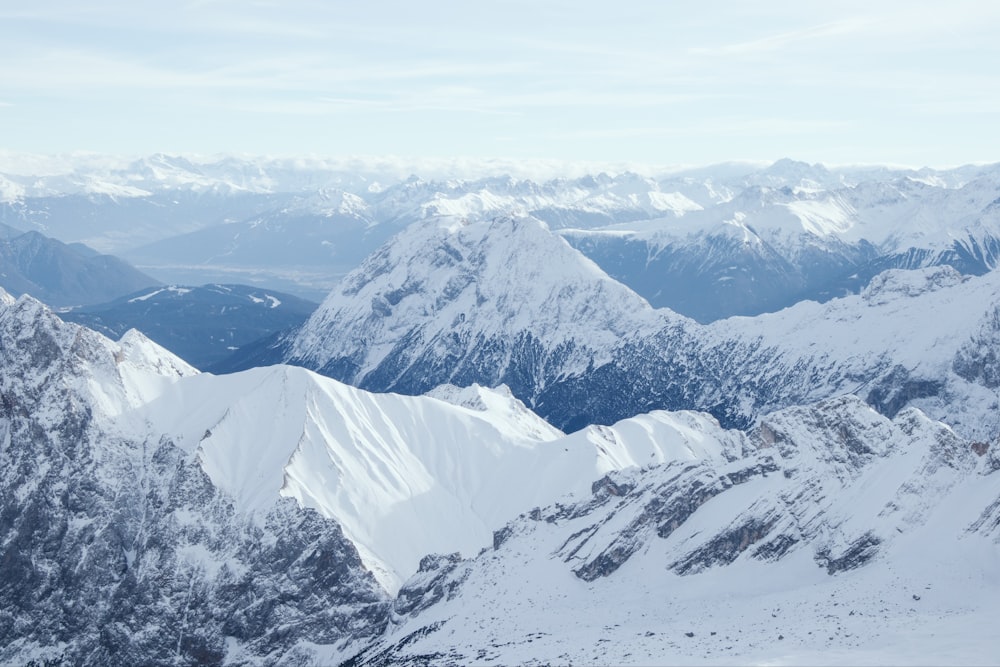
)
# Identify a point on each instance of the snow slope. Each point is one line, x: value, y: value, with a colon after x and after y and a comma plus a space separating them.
x: 836, y: 537
x: 404, y: 476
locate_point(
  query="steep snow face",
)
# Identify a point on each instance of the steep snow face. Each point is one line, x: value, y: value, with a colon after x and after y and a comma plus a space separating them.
x: 405, y: 475
x: 838, y: 535
x: 491, y: 302
x: 108, y: 537
x: 402, y: 475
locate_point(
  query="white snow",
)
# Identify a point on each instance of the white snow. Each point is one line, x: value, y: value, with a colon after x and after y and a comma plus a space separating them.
x: 404, y: 476
x: 927, y: 597
x: 180, y: 291
x: 447, y: 276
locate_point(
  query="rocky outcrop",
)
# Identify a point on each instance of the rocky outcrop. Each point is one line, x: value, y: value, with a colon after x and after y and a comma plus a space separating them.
x: 978, y: 360
x: 121, y: 551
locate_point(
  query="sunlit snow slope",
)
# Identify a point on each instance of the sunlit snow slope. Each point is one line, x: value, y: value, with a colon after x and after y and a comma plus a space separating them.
x: 836, y: 536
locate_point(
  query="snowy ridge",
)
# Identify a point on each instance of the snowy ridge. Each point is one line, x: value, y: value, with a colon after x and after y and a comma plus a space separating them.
x: 113, y: 378
x: 835, y: 535
x: 404, y: 476
x: 901, y: 336
x: 108, y: 537
x: 399, y: 474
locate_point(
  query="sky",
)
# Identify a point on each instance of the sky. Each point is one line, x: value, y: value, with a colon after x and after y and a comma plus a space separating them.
x: 912, y: 82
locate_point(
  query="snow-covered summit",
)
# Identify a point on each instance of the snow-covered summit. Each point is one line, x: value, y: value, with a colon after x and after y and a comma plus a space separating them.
x: 453, y: 288
x: 52, y: 362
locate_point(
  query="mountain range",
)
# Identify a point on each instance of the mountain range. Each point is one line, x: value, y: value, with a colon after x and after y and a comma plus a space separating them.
x: 155, y: 514
x: 733, y: 239
x: 63, y: 274
x: 508, y: 301
x: 496, y: 441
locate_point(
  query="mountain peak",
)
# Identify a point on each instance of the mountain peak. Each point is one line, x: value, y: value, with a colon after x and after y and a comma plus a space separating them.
x: 453, y: 284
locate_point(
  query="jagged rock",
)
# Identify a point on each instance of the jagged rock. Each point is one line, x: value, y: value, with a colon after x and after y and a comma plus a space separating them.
x: 977, y: 360
x: 857, y: 554
x: 435, y: 580
x: 122, y: 551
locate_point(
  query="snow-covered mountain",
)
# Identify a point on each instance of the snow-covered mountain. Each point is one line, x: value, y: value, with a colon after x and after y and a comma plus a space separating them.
x: 771, y: 246
x: 452, y: 301
x: 510, y: 302
x: 731, y: 239
x: 119, y: 549
x: 150, y: 513
x: 138, y: 494
x: 832, y: 535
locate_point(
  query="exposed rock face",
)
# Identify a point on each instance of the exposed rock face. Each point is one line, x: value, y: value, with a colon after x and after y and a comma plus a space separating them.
x: 436, y: 580
x: 978, y: 360
x: 117, y: 551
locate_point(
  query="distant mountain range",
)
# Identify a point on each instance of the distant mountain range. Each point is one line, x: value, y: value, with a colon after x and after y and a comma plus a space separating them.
x: 709, y: 243
x: 61, y: 274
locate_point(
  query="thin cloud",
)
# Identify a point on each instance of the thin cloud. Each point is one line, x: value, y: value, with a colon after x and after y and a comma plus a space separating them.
x: 717, y: 127
x: 778, y: 42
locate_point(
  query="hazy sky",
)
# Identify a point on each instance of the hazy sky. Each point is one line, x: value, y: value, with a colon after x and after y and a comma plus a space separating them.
x: 888, y: 81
